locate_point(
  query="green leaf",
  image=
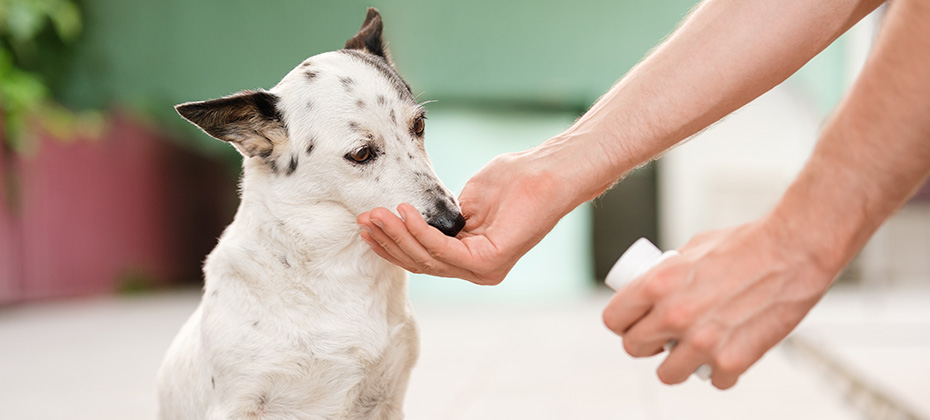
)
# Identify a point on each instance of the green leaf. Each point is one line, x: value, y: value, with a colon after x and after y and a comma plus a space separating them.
x: 67, y: 20
x: 25, y: 19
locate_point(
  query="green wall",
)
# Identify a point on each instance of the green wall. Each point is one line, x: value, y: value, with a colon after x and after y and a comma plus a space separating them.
x: 149, y: 53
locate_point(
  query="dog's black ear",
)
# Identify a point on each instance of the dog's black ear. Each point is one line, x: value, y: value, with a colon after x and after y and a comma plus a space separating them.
x: 368, y: 37
x: 250, y: 120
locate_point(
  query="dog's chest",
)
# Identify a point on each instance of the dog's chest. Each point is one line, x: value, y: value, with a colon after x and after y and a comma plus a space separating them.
x: 360, y: 322
x: 330, y: 352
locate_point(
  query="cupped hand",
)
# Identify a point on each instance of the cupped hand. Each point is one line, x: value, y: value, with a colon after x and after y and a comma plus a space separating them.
x: 509, y: 205
x: 729, y: 297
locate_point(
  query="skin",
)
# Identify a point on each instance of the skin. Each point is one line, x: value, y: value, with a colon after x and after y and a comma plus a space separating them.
x: 732, y: 294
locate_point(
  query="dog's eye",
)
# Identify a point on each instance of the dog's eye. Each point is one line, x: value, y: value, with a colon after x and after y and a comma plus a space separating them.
x: 361, y: 155
x: 419, y: 125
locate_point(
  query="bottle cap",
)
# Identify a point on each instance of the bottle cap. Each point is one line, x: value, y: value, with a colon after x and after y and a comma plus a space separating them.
x: 638, y: 258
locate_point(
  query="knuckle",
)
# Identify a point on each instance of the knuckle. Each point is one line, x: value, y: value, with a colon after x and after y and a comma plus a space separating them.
x: 381, y: 242
x: 704, y: 340
x: 491, y: 277
x: 493, y: 280
x: 657, y: 286
x: 436, y: 253
x: 612, y: 321
x: 393, y: 235
x: 423, y: 264
x: 678, y: 317
x: 629, y: 347
x: 634, y: 346
x: 429, y: 266
x: 730, y: 364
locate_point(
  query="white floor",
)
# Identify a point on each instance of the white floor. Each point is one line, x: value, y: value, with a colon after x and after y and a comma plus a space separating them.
x: 95, y: 359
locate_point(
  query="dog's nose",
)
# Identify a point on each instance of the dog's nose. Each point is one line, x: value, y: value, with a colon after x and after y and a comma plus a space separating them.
x: 448, y: 223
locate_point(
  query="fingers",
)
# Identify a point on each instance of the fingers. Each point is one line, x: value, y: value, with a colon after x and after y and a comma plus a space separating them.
x: 645, y: 338
x: 632, y: 302
x: 621, y: 314
x: 681, y: 362
x: 382, y: 245
x: 736, y: 356
x: 437, y: 245
x: 390, y: 238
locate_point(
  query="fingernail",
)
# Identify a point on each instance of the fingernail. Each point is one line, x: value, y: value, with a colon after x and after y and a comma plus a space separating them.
x: 366, y: 228
x: 377, y: 223
x: 402, y: 213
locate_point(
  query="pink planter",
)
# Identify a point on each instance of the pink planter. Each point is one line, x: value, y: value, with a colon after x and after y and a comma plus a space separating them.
x: 96, y: 216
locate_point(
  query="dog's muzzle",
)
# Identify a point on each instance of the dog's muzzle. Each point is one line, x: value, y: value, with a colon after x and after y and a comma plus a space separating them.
x: 449, y: 221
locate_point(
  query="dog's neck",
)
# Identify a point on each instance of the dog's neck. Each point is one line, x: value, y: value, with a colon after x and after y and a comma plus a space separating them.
x: 309, y: 238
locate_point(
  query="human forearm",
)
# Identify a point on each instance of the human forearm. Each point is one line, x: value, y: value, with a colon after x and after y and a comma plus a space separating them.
x: 874, y: 152
x: 724, y: 55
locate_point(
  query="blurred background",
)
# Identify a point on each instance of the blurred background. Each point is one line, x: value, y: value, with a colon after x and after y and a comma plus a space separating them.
x: 109, y: 202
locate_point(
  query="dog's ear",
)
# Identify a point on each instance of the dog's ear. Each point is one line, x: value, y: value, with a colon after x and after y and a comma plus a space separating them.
x: 250, y: 120
x: 368, y: 37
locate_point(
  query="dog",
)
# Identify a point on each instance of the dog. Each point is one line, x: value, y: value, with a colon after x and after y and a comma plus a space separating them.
x: 299, y: 319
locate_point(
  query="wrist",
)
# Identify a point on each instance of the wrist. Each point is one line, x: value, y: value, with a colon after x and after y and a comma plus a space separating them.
x: 584, y: 165
x: 825, y: 224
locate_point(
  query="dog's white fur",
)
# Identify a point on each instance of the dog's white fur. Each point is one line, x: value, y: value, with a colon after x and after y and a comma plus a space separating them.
x: 299, y: 318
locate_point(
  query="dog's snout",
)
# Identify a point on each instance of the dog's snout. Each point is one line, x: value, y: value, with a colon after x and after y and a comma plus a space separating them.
x: 449, y: 221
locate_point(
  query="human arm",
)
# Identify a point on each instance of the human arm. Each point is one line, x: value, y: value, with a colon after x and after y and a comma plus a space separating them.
x: 723, y: 55
x: 734, y: 294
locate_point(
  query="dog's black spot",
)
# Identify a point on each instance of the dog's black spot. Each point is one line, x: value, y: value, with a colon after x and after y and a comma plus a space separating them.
x: 310, y: 74
x: 347, y: 83
x: 310, y: 149
x: 274, y: 166
x: 213, y: 382
x: 309, y: 105
x: 215, y: 293
x: 292, y: 166
x: 419, y: 174
x: 382, y: 100
x: 255, y: 324
x: 377, y: 179
x: 306, y: 63
x: 360, y: 103
x: 265, y: 154
x: 410, y: 156
x: 266, y: 104
x: 353, y: 125
x: 393, y: 117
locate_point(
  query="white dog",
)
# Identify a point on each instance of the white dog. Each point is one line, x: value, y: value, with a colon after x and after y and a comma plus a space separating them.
x: 299, y: 318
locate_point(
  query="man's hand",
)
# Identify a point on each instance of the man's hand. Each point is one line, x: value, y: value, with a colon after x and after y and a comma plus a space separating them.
x: 727, y: 299
x: 509, y: 206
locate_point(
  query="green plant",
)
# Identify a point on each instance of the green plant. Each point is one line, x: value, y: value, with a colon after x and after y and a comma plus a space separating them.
x: 27, y: 27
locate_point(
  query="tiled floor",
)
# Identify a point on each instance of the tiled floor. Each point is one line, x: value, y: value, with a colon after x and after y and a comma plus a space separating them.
x: 96, y: 359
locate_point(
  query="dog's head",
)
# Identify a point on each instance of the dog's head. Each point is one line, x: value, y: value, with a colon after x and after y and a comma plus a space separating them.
x: 341, y: 128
